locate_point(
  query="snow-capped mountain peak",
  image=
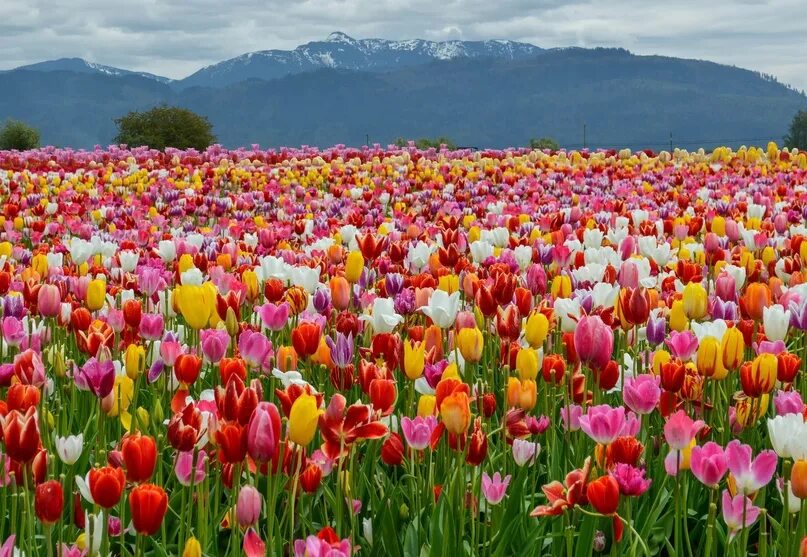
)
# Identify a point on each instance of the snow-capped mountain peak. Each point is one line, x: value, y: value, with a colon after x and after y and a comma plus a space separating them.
x: 341, y: 51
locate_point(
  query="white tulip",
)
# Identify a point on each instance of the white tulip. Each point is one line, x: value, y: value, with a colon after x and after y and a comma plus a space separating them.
x: 776, y: 321
x: 167, y: 250
x: 442, y: 308
x: 70, y: 448
x: 383, y: 318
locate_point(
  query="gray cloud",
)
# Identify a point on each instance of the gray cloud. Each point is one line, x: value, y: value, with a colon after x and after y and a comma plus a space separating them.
x: 177, y: 37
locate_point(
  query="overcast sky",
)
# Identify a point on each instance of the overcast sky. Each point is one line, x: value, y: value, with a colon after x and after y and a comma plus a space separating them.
x: 176, y: 37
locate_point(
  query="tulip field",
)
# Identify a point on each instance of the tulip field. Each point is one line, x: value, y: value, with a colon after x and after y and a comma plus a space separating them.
x: 404, y: 353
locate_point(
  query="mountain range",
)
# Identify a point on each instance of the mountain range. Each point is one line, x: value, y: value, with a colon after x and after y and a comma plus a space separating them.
x: 479, y: 93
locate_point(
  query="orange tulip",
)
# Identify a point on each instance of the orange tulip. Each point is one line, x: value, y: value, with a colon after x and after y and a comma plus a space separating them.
x: 757, y: 296
x: 340, y: 293
x: 522, y: 394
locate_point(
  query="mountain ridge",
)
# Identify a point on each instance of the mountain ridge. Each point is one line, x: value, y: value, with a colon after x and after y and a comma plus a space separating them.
x: 624, y: 100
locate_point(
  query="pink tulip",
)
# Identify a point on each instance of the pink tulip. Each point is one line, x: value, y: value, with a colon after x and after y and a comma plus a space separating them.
x: 255, y: 348
x: 525, y: 451
x: 571, y: 417
x: 682, y: 345
x: 214, y: 343
x: 313, y: 546
x: 738, y: 512
x: 788, y: 402
x: 603, y: 423
x: 726, y: 287
x: 7, y: 549
x: 248, y: 506
x: 254, y: 546
x: 170, y: 349
x: 418, y: 431
x: 151, y: 326
x: 263, y: 432
x: 680, y: 430
x: 114, y: 317
x: 642, y: 393
x: 95, y: 376
x: 750, y: 475
x: 274, y: 317
x: 593, y: 341
x: 708, y: 463
x: 13, y: 331
x: 182, y: 468
x: 48, y: 300
x: 631, y: 480
x: 494, y: 488
x: 629, y: 274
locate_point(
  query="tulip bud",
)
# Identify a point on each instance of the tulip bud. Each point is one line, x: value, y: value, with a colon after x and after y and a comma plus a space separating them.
x: 192, y: 548
x: 231, y: 322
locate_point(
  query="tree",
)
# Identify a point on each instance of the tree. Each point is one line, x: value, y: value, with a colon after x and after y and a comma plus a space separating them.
x: 429, y: 143
x: 18, y: 135
x: 797, y: 136
x: 165, y: 126
x: 544, y: 143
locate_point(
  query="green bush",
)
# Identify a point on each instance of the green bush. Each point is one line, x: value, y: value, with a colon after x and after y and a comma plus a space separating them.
x: 18, y: 135
x: 165, y: 126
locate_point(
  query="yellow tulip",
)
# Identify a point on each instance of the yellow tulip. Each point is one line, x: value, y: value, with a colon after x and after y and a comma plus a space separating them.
x: 122, y: 394
x: 135, y: 360
x: 449, y: 283
x: 660, y: 357
x: 5, y: 249
x: 719, y: 226
x: 750, y: 410
x: 561, y: 287
x: 426, y: 405
x: 527, y: 364
x: 710, y: 358
x: 96, y: 294
x: 192, y: 548
x: 470, y: 342
x: 250, y: 280
x: 39, y: 263
x: 536, y: 329
x: 695, y: 300
x: 452, y: 371
x: 733, y: 348
x: 414, y: 359
x: 185, y: 262
x: 678, y: 318
x: 354, y: 266
x: 303, y: 419
x: 196, y: 303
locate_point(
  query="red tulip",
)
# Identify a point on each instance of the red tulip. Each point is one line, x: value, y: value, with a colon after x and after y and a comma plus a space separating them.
x: 392, y: 451
x: 187, y: 368
x: 106, y: 486
x: 311, y: 477
x: 553, y: 368
x: 148, y: 504
x: 140, y: 457
x: 603, y: 494
x: 232, y: 367
x: 132, y: 313
x: 22, y: 397
x: 49, y: 501
x: 478, y: 445
x: 232, y: 441
x: 21, y: 434
x: 305, y: 339
x: 184, y: 428
x: 383, y: 395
